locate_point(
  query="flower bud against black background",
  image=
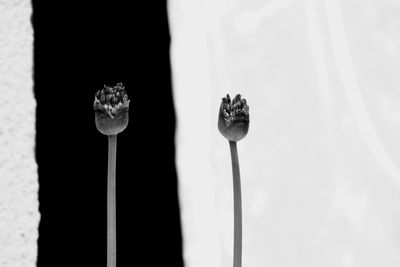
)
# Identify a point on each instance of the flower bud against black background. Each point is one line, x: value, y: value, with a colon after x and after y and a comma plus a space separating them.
x: 112, y: 112
x: 79, y: 46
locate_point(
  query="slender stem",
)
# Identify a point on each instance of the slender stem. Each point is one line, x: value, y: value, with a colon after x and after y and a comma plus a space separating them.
x: 111, y: 215
x: 237, y: 207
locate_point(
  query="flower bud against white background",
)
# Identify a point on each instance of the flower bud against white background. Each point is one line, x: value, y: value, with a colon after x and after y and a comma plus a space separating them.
x: 320, y: 165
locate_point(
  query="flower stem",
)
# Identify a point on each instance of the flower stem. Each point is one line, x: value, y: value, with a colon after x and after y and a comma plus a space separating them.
x: 111, y: 215
x: 237, y: 207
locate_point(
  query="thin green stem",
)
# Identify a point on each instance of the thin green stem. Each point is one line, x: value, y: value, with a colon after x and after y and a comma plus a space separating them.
x: 237, y: 207
x: 111, y: 215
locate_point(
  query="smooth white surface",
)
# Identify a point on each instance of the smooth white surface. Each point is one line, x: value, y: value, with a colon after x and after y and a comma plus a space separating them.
x: 19, y: 215
x: 321, y: 163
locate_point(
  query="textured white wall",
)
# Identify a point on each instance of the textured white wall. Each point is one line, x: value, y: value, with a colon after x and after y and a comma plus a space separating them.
x: 19, y: 215
x: 320, y: 165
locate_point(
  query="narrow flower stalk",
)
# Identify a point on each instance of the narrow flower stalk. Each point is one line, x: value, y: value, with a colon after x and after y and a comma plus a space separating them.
x: 111, y: 106
x: 233, y: 124
x: 111, y: 203
x: 237, y: 207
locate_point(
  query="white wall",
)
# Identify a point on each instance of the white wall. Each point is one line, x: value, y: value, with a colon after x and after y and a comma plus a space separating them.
x: 19, y: 215
x: 321, y: 163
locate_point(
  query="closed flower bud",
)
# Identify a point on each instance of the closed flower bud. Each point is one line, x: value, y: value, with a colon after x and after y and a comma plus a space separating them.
x: 233, y: 118
x: 111, y: 117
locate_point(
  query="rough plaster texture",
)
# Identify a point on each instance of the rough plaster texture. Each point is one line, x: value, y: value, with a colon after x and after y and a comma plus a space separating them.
x: 19, y: 215
x: 321, y: 162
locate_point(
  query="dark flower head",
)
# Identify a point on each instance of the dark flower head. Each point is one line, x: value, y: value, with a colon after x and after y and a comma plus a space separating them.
x: 111, y: 107
x: 233, y: 119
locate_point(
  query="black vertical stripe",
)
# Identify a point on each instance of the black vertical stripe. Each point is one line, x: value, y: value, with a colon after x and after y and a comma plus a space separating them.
x: 78, y: 47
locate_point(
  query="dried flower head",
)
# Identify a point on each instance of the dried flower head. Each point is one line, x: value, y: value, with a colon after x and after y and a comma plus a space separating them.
x: 111, y: 106
x: 233, y: 119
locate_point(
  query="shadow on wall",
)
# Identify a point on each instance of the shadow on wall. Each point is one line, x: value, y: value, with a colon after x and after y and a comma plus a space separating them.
x: 78, y: 49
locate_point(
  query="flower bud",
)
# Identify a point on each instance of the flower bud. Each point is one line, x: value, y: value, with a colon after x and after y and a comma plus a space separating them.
x: 233, y: 118
x: 111, y: 110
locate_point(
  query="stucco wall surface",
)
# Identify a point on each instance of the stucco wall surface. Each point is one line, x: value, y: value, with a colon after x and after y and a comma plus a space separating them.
x: 19, y: 214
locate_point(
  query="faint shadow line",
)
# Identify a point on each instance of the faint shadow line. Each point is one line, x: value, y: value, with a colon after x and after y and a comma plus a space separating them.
x: 353, y: 94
